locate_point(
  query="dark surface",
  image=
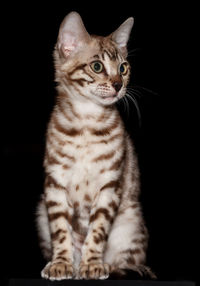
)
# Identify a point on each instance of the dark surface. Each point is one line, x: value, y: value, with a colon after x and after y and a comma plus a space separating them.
x: 163, y: 142
x: 40, y: 282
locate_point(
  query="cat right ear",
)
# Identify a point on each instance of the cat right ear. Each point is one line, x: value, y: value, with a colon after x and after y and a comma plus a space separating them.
x: 122, y: 34
x: 72, y: 34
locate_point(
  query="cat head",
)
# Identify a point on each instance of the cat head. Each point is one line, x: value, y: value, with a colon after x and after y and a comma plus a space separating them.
x: 92, y: 67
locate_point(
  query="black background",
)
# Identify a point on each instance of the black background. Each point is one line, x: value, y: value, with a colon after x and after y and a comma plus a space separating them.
x: 159, y: 39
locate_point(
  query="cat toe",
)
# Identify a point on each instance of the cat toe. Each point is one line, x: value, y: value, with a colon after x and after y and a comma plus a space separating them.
x: 57, y: 271
x: 94, y: 271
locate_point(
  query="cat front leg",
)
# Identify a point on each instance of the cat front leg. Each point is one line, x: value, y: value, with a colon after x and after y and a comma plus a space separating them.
x: 59, y: 217
x: 92, y: 265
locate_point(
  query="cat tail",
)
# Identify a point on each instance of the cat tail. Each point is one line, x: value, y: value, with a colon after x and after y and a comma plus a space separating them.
x: 143, y: 271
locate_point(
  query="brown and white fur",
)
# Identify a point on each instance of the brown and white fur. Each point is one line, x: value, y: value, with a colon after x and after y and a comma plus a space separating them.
x: 89, y: 219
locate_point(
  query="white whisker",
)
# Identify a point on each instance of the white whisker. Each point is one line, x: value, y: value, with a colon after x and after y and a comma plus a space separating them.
x: 133, y: 52
x: 134, y: 92
x: 127, y: 104
x: 145, y: 89
x: 133, y: 99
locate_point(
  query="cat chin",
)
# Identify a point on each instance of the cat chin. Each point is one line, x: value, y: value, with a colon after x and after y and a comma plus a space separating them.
x: 110, y: 100
x: 105, y: 101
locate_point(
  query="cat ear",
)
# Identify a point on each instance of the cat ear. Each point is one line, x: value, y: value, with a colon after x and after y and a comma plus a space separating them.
x: 121, y: 35
x: 72, y: 34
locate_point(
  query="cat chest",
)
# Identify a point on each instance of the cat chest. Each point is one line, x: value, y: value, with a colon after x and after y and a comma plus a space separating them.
x: 86, y: 162
x: 83, y: 176
x: 87, y: 156
x: 89, y: 165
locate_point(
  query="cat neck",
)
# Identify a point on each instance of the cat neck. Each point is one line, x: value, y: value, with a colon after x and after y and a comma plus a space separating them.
x: 83, y: 107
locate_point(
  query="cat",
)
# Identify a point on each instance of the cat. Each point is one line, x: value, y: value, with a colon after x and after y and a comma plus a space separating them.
x: 89, y: 219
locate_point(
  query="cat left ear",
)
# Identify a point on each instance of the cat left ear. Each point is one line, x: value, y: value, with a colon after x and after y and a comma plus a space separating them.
x: 121, y: 35
x: 72, y: 34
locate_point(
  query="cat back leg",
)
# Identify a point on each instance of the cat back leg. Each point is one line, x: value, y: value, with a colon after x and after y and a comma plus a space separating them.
x: 127, y: 242
x: 128, y: 238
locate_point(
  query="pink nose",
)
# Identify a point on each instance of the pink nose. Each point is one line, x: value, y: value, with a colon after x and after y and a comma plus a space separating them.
x: 117, y: 85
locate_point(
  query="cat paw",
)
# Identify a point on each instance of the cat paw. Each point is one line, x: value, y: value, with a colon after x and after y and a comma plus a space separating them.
x: 57, y: 271
x: 94, y: 271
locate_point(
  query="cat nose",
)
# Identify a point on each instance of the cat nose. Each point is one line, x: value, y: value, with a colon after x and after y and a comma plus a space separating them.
x: 117, y: 85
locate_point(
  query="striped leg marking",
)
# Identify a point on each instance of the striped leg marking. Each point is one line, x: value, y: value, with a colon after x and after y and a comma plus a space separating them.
x: 92, y: 265
x: 59, y: 216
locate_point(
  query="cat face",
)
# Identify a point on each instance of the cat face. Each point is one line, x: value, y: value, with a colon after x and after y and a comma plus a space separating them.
x: 92, y: 67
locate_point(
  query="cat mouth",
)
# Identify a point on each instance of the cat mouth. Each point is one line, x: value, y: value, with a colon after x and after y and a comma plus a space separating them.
x: 109, y: 97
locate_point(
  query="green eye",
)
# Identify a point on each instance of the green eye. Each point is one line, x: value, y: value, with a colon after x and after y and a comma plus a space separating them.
x: 123, y: 69
x: 97, y: 67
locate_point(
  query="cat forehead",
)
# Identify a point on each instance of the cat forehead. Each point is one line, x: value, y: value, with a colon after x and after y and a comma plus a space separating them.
x: 104, y: 47
x: 103, y: 42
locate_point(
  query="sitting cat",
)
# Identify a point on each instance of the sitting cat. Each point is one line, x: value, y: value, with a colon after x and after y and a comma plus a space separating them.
x: 89, y: 218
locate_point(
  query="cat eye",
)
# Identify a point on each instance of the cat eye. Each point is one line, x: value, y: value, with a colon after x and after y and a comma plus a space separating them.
x: 97, y: 67
x: 123, y: 68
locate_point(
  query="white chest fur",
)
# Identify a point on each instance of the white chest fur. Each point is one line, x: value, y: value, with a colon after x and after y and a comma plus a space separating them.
x: 84, y: 161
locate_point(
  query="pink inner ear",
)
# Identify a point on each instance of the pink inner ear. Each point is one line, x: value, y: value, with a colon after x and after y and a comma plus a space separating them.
x: 68, y: 44
x: 67, y: 49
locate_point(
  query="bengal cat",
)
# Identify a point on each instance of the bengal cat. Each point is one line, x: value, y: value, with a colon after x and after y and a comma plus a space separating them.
x: 89, y: 218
